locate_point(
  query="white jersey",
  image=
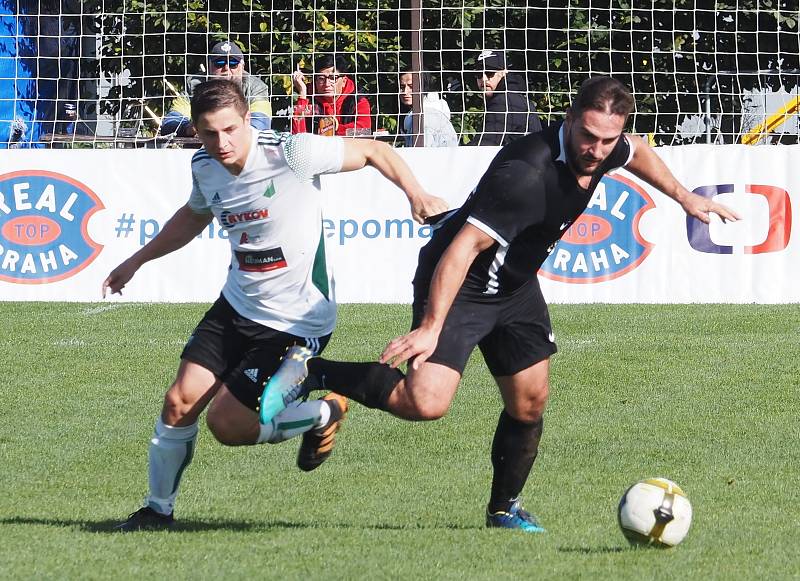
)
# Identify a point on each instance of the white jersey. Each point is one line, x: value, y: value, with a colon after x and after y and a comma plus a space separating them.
x: 272, y: 213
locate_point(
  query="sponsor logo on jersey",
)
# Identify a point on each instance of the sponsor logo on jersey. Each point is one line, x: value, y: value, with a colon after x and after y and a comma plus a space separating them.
x: 261, y: 261
x: 249, y: 238
x: 215, y: 199
x: 270, y: 191
x: 252, y: 375
x: 228, y: 219
x: 44, y: 219
x: 778, y: 227
x: 604, y: 242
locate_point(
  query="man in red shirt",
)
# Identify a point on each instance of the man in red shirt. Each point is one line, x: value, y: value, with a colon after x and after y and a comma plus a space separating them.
x: 334, y: 107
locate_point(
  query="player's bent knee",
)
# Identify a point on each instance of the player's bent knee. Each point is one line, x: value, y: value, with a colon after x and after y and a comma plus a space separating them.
x: 430, y: 414
x: 529, y: 410
x: 415, y: 403
x: 428, y: 409
x: 529, y: 407
x: 429, y: 391
x: 176, y: 407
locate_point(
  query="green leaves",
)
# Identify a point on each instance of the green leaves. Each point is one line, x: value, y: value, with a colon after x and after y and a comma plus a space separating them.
x: 663, y: 52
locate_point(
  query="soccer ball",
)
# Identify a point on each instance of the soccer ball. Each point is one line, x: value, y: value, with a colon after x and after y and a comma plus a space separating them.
x: 655, y: 512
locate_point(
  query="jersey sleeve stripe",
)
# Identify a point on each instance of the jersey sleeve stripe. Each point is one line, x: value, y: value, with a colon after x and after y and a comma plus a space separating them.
x: 271, y: 137
x: 487, y: 230
x: 200, y: 155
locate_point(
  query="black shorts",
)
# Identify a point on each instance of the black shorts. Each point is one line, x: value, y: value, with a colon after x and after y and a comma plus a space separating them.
x: 241, y: 352
x: 513, y: 332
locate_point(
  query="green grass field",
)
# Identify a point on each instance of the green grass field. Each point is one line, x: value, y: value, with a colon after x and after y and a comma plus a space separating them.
x: 704, y: 395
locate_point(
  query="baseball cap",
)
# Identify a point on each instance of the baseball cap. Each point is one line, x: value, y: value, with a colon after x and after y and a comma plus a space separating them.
x: 226, y: 50
x: 490, y: 60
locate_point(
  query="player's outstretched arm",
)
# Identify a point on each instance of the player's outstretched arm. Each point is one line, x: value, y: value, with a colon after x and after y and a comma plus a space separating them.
x: 649, y: 167
x: 447, y: 280
x: 361, y: 152
x: 179, y: 230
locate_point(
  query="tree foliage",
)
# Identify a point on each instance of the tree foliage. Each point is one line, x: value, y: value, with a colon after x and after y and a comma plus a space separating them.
x: 674, y: 54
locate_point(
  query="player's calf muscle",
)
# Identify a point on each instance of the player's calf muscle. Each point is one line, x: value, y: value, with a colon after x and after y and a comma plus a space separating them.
x: 231, y: 433
x: 231, y: 423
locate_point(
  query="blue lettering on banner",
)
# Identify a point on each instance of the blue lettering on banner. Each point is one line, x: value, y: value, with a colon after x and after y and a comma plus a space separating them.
x: 348, y: 229
x: 344, y: 230
x: 44, y: 219
x: 604, y: 242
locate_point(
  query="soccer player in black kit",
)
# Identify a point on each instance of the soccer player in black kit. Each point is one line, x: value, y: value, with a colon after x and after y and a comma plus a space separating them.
x: 476, y: 284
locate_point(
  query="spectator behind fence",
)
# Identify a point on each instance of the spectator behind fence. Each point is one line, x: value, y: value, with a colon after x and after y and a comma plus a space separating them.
x: 438, y: 130
x: 227, y: 61
x: 509, y: 112
x: 334, y: 107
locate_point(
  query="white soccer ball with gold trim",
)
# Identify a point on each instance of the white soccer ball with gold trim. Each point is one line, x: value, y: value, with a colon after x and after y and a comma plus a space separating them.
x: 655, y: 512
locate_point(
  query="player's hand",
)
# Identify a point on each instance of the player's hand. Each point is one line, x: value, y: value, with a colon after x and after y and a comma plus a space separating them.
x: 119, y: 277
x: 425, y: 206
x: 699, y: 207
x: 418, y: 344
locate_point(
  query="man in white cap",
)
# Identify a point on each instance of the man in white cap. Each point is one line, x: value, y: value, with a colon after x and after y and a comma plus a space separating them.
x: 509, y: 112
x: 226, y: 60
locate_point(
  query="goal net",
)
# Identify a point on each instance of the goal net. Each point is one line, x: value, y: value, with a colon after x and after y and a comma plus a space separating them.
x: 700, y: 71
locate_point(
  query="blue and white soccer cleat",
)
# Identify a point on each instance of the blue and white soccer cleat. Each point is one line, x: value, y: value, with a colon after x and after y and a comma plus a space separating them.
x: 516, y: 518
x: 286, y: 385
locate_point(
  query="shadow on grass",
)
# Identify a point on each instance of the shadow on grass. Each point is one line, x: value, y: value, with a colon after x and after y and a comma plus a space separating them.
x: 194, y: 526
x: 594, y: 550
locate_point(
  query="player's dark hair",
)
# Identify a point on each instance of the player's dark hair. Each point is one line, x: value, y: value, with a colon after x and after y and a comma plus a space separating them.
x: 216, y: 94
x: 602, y: 94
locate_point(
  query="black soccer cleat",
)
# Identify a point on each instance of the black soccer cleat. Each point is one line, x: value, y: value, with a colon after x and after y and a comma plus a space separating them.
x: 318, y: 444
x: 146, y: 519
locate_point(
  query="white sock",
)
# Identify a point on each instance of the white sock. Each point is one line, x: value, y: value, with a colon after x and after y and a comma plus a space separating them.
x: 171, y: 450
x: 297, y: 418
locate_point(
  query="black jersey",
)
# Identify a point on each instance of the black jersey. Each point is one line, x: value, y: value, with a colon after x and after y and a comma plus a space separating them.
x: 525, y: 201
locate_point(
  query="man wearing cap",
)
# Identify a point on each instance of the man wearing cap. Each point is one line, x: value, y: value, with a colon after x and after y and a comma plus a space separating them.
x: 225, y: 59
x: 509, y: 113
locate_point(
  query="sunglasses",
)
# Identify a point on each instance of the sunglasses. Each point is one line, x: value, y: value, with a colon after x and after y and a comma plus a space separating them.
x: 232, y: 63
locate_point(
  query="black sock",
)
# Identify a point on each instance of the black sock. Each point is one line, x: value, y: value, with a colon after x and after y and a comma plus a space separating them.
x: 514, y: 450
x: 367, y: 383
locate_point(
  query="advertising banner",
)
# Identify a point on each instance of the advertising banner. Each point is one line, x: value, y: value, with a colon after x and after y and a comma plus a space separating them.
x: 67, y: 217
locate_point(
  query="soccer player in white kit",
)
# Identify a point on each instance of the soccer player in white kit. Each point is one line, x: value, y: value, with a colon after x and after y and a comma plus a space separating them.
x: 263, y: 188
